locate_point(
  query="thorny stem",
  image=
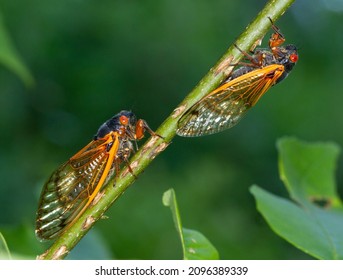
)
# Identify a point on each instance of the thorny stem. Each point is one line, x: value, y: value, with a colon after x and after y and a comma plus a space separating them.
x: 254, y: 32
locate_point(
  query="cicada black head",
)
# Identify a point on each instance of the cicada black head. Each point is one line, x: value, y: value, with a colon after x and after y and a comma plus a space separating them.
x: 124, y: 123
x: 288, y: 59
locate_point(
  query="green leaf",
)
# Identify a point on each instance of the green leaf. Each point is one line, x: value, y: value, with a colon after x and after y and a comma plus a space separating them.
x: 10, y: 58
x: 308, y: 173
x: 4, y: 251
x: 317, y: 232
x: 307, y: 170
x: 194, y: 244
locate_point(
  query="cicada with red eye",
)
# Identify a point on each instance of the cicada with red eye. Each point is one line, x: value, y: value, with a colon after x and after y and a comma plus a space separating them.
x: 225, y: 106
x: 74, y: 185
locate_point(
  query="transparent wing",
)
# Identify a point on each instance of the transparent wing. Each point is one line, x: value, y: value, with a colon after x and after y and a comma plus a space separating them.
x: 73, y: 186
x: 227, y: 104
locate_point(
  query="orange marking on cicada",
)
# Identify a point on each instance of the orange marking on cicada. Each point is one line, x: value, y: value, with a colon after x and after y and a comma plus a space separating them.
x: 140, y: 128
x: 143, y: 126
x: 113, y: 139
x: 252, y: 85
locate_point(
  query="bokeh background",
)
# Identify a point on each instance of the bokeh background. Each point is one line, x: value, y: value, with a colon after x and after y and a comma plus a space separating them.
x: 91, y: 59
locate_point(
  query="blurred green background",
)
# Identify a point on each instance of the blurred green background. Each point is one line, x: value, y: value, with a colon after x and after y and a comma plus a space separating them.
x: 91, y: 59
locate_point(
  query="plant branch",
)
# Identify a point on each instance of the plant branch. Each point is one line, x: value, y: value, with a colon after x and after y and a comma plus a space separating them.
x: 254, y: 32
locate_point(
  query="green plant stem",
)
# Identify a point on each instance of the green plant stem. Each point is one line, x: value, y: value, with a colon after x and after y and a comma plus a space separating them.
x: 254, y: 32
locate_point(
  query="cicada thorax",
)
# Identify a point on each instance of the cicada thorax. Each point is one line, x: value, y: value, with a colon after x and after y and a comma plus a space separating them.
x: 73, y: 186
x: 286, y: 56
x: 226, y: 105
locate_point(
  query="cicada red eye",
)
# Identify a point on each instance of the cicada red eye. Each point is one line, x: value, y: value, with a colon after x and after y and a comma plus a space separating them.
x: 124, y: 120
x: 293, y: 57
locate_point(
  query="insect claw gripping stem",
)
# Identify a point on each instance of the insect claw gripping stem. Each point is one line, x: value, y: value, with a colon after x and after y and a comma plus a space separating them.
x: 146, y: 127
x: 276, y: 39
x: 254, y: 60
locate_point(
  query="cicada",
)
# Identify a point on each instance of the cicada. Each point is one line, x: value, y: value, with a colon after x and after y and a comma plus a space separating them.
x: 74, y: 185
x: 226, y: 105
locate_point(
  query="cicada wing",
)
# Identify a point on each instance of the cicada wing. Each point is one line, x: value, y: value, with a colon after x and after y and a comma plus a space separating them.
x: 213, y: 114
x: 227, y: 104
x: 73, y: 186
